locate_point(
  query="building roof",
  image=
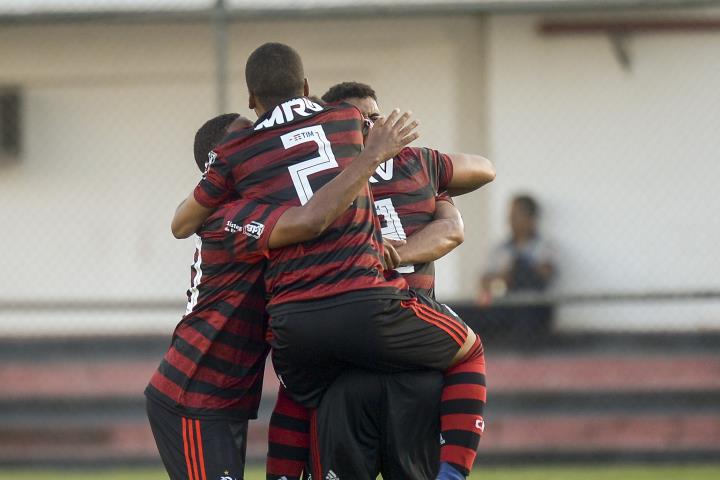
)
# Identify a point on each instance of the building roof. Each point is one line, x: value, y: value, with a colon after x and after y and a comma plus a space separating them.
x: 19, y: 8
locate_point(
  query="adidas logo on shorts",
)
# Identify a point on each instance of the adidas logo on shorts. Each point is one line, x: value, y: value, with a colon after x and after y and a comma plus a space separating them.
x: 331, y: 476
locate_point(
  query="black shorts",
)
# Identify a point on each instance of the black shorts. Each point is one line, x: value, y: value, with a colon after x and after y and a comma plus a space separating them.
x: 370, y: 423
x: 312, y: 347
x: 198, y: 449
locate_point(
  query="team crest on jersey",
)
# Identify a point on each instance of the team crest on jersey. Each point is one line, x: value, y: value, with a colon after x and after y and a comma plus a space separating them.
x: 254, y: 229
x: 384, y: 171
x: 226, y: 476
x: 212, y: 156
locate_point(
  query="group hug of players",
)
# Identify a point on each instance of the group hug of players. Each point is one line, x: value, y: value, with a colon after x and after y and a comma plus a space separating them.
x: 316, y: 228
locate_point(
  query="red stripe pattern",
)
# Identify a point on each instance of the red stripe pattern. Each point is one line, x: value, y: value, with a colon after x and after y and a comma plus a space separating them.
x: 444, y: 322
x: 413, y: 181
x: 192, y: 445
x: 461, y: 410
x: 263, y: 166
x: 215, y: 364
x: 315, y: 447
x: 288, y: 439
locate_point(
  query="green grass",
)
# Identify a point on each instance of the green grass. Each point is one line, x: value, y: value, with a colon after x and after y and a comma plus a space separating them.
x: 640, y: 472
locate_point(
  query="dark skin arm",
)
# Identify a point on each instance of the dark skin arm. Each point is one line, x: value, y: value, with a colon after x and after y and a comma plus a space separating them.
x: 190, y: 212
x: 470, y: 172
x: 436, y: 239
x: 189, y: 216
x: 385, y: 140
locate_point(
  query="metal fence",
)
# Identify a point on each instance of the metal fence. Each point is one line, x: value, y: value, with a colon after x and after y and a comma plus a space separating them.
x: 610, y: 124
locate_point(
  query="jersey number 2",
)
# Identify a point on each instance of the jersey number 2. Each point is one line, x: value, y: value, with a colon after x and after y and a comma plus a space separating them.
x: 301, y: 171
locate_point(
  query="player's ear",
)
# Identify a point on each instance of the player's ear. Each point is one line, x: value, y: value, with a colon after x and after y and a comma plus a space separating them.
x: 251, y: 102
x: 306, y: 89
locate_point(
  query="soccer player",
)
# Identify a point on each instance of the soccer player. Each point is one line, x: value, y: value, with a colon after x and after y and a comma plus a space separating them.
x: 365, y: 418
x: 360, y: 422
x: 330, y: 303
x: 209, y: 382
x: 412, y: 194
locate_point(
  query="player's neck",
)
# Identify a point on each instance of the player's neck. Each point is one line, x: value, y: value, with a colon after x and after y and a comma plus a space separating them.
x: 261, y: 109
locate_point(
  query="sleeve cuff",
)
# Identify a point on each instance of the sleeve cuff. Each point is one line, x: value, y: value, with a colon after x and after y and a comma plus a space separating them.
x: 270, y: 222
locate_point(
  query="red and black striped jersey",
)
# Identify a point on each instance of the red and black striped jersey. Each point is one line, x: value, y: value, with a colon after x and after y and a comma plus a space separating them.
x: 294, y: 150
x: 214, y: 366
x: 405, y: 189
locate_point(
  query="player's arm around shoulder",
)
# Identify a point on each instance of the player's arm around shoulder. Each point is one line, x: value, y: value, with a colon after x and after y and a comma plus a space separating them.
x: 211, y: 192
x: 189, y: 217
x: 384, y: 141
x: 470, y: 172
x: 447, y: 213
x: 436, y: 239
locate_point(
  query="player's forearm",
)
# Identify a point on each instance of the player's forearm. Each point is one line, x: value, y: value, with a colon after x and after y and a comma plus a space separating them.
x: 470, y: 172
x: 189, y: 217
x: 307, y: 222
x: 435, y: 240
x: 334, y: 198
x: 300, y: 224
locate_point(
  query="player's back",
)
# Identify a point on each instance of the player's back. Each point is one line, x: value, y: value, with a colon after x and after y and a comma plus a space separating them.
x: 214, y: 366
x: 406, y: 189
x: 294, y: 150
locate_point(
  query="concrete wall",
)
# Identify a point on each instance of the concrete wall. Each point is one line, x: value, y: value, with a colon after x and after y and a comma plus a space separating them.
x: 109, y: 116
x: 625, y: 163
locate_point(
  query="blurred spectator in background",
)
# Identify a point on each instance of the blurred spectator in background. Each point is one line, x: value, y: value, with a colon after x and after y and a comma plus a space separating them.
x: 524, y: 262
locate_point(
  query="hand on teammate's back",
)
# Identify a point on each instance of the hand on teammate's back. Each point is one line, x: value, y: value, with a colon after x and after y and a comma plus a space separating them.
x: 390, y: 135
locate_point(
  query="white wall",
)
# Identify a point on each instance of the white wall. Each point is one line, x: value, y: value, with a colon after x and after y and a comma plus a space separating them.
x: 109, y: 116
x: 625, y: 163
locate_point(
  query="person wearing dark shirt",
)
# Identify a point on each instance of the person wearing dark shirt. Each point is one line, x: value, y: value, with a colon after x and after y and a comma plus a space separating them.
x: 331, y: 304
x: 412, y: 194
x: 209, y: 382
x: 366, y: 418
x: 525, y: 261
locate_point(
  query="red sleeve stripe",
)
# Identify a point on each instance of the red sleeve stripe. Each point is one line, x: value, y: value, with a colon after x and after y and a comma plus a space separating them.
x: 192, y: 442
x: 436, y: 319
x: 192, y: 448
x: 447, y: 320
x: 186, y: 446
x: 200, y: 449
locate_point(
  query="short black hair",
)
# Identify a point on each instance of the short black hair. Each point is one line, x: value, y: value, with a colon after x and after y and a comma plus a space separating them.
x: 316, y: 99
x: 274, y: 73
x: 209, y: 135
x: 343, y: 91
x: 528, y: 204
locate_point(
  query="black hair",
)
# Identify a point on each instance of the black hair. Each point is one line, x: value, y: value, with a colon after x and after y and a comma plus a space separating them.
x: 528, y: 204
x: 316, y: 99
x: 209, y: 135
x: 274, y: 73
x: 343, y: 91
